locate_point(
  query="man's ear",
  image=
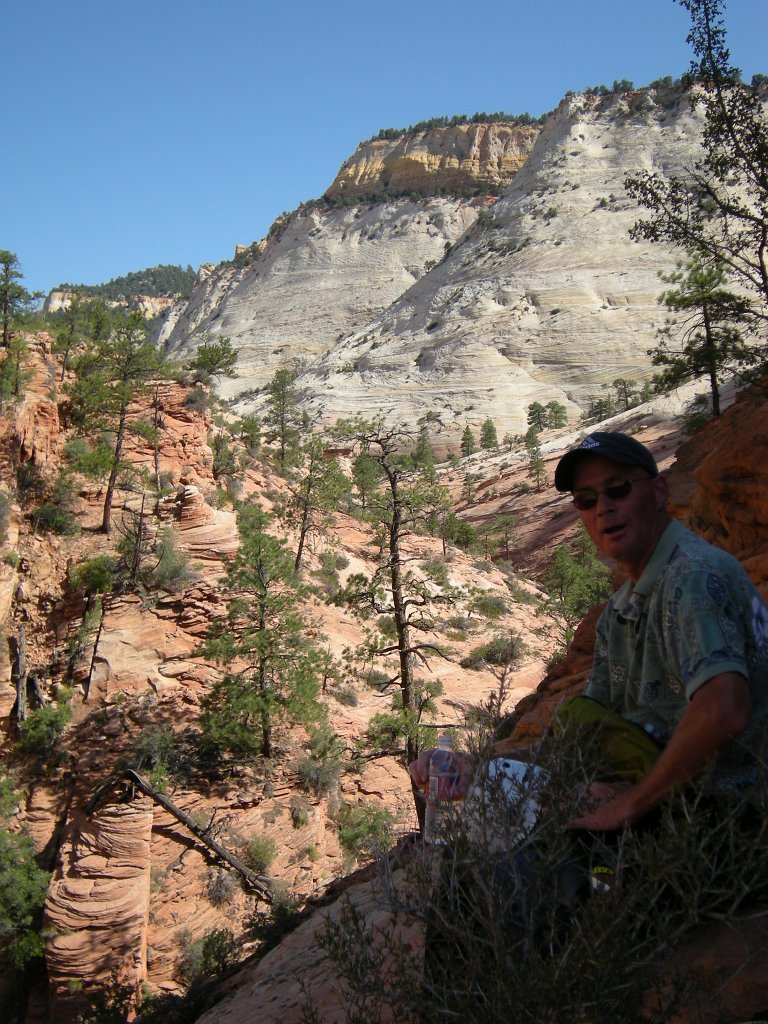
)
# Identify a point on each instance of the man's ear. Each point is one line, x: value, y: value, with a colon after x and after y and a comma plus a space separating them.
x: 661, y: 490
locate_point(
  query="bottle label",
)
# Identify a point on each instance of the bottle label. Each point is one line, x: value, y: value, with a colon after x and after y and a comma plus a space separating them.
x: 444, y: 780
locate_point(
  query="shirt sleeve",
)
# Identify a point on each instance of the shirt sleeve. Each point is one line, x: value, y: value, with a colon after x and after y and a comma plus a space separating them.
x: 705, y: 627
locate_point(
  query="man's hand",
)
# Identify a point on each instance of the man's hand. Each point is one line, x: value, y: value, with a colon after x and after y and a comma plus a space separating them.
x: 611, y: 806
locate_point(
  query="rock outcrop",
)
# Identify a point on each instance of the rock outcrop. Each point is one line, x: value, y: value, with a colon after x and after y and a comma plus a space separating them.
x: 455, y: 159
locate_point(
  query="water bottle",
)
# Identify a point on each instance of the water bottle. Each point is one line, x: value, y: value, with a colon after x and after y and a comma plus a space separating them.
x: 444, y: 779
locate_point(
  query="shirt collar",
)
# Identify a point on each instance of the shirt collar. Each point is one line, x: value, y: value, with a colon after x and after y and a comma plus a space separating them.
x: 661, y: 555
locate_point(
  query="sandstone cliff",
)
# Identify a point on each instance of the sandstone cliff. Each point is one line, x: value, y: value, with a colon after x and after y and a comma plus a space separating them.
x: 545, y: 298
x: 320, y: 276
x: 540, y: 296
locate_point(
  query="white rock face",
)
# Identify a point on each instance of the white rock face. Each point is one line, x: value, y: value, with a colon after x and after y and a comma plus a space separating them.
x: 546, y: 298
x: 543, y: 296
x: 324, y: 275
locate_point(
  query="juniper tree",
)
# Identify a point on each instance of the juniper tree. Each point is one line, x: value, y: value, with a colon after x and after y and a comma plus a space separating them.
x: 708, y: 327
x: 716, y: 209
x: 273, y: 670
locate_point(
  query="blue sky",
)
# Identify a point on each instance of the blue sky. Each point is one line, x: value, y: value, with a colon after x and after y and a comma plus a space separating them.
x: 167, y: 131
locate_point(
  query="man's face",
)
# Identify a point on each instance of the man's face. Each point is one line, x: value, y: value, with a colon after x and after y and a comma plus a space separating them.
x: 627, y: 528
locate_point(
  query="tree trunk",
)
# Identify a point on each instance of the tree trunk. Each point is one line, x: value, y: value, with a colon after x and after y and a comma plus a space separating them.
x: 106, y: 520
x: 260, y: 883
x: 94, y: 651
x: 19, y: 673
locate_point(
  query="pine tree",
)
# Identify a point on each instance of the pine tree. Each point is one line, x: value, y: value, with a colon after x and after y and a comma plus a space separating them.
x: 557, y: 414
x: 15, y: 300
x: 574, y: 582
x: 537, y: 415
x: 488, y: 438
x: 317, y: 489
x: 110, y: 375
x: 711, y: 341
x: 716, y: 209
x: 468, y: 445
x: 537, y: 469
x: 278, y: 670
x: 215, y: 357
x: 402, y: 504
x: 282, y: 418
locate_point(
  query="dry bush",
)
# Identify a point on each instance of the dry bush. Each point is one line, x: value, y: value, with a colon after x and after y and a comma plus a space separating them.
x: 515, y: 929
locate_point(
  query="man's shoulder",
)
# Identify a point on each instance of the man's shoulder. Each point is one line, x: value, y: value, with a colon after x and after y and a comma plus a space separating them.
x: 693, y: 551
x: 694, y: 558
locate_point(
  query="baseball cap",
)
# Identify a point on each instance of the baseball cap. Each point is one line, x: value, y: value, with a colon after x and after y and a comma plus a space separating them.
x: 617, y: 447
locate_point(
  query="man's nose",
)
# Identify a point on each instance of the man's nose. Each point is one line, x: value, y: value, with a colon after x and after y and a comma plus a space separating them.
x: 605, y: 503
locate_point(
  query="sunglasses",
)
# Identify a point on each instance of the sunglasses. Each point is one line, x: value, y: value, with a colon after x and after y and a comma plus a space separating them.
x: 586, y: 499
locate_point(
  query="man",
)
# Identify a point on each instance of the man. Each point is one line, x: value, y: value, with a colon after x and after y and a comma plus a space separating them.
x: 682, y: 647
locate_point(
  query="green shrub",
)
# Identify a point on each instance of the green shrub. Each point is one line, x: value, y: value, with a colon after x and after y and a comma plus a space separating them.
x: 270, y: 926
x: 696, y: 415
x: 365, y: 830
x: 346, y: 695
x: 95, y: 576
x: 259, y: 853
x: 5, y: 515
x: 173, y: 571
x: 23, y: 886
x: 319, y: 772
x: 196, y: 400
x: 222, y: 887
x: 206, y: 957
x: 503, y: 650
x: 12, y: 559
x: 52, y: 518
x: 491, y: 605
x: 299, y: 812
x: 40, y: 731
x: 436, y: 570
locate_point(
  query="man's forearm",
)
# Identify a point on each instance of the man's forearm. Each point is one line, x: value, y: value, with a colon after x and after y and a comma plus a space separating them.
x: 717, y: 713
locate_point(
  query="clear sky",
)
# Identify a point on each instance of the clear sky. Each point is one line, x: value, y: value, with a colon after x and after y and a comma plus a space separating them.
x: 167, y: 131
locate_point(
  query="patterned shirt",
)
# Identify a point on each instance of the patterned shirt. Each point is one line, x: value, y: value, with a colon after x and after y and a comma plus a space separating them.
x: 693, y: 614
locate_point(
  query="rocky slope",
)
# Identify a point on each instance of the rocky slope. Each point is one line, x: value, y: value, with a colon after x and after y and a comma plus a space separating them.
x: 545, y: 298
x: 132, y: 889
x: 718, y: 481
x: 320, y: 275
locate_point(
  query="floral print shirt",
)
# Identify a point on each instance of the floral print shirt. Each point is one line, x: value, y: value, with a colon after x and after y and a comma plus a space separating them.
x: 693, y: 614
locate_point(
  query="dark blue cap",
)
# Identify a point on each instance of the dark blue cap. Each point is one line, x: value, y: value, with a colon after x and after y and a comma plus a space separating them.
x: 617, y: 447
